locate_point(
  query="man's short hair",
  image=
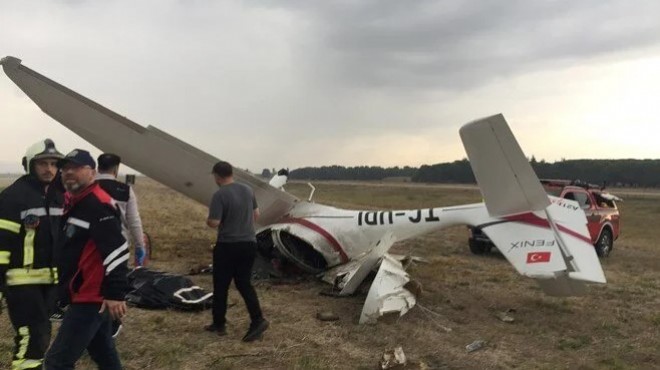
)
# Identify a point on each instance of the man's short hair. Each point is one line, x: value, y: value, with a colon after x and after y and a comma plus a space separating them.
x: 108, y: 161
x: 223, y: 169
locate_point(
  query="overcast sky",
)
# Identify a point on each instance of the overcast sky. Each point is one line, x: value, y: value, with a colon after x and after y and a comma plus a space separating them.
x: 267, y: 84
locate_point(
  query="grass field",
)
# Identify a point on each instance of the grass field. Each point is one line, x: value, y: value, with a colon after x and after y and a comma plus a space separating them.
x: 615, y: 326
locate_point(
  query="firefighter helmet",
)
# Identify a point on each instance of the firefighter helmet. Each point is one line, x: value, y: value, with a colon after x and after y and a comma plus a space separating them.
x: 39, y: 150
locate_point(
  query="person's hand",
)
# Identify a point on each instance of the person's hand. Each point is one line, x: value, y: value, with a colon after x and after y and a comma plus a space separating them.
x: 117, y: 309
x: 140, y: 255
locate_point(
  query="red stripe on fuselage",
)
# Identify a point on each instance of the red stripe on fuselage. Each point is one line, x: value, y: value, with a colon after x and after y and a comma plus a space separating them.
x: 532, y: 219
x: 331, y: 239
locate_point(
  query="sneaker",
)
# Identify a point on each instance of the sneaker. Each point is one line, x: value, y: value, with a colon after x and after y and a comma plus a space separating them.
x: 219, y: 329
x: 256, y: 330
x: 116, y: 328
x: 57, y: 315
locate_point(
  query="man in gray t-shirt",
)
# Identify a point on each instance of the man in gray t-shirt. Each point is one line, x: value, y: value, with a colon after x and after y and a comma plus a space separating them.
x: 233, y: 211
x: 234, y: 205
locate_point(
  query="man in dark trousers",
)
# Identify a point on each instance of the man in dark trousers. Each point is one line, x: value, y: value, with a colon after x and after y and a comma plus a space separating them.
x: 233, y: 211
x: 92, y: 260
x: 126, y: 201
x: 30, y: 216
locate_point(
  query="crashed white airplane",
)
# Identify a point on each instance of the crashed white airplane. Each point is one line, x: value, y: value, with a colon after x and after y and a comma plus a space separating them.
x: 343, y: 246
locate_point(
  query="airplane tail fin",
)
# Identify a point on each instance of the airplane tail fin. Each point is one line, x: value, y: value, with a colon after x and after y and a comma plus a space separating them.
x: 506, y: 179
x: 543, y: 238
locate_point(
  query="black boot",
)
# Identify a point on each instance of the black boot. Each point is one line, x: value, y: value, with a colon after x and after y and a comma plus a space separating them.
x: 219, y: 329
x: 256, y: 330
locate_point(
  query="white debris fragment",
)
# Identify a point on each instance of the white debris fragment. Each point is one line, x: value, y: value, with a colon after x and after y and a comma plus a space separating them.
x: 387, y: 293
x: 475, y: 346
x: 393, y: 358
x: 505, y: 316
x: 347, y: 278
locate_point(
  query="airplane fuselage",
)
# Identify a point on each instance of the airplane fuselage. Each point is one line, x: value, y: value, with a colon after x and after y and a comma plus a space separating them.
x: 340, y: 235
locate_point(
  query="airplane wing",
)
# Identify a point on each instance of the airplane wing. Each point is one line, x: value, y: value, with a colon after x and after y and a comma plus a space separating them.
x: 149, y: 150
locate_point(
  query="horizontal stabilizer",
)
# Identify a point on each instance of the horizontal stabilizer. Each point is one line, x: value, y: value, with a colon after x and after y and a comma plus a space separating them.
x: 556, y: 251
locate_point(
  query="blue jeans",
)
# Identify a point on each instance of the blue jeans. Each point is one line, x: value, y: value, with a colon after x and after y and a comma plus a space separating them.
x: 83, y: 328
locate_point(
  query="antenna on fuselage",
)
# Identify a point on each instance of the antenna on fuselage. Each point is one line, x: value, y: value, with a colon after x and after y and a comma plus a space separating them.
x: 311, y: 193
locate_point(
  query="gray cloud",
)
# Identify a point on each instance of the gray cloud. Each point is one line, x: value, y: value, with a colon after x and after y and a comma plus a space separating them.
x: 454, y: 45
x: 292, y: 83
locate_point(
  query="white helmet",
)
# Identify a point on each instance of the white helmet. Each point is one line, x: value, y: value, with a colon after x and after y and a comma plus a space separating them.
x: 39, y: 150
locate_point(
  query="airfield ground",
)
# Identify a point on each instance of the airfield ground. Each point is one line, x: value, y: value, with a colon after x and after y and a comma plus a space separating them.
x: 615, y: 326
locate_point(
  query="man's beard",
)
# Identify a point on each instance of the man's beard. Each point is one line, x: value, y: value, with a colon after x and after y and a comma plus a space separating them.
x: 73, y: 187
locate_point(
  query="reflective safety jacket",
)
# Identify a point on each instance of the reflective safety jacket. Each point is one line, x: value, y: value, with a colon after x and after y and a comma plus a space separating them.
x: 30, y: 223
x: 93, y: 254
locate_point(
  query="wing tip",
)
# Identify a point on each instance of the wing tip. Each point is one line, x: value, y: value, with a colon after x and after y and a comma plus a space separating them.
x: 10, y: 62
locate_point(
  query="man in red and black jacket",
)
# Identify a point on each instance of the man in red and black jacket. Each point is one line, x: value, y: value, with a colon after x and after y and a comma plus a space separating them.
x: 92, y: 262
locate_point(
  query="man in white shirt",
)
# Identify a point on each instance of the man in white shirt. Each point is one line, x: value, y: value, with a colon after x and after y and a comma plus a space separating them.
x: 108, y: 168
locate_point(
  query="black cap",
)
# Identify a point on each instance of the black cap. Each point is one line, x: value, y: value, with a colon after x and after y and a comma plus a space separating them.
x: 78, y: 157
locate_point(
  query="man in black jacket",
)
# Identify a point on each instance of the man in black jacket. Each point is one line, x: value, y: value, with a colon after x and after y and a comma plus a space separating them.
x: 93, y: 263
x: 30, y: 215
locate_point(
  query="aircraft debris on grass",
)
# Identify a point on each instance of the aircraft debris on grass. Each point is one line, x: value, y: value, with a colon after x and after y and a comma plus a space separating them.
x: 342, y: 246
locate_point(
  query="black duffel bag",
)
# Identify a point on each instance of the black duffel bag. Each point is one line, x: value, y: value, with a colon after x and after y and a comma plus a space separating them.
x: 159, y: 290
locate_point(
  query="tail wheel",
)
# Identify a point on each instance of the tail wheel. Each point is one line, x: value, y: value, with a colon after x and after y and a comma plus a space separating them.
x: 477, y: 247
x: 604, y: 243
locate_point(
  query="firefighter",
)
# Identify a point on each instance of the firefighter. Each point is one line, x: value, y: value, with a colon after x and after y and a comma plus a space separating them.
x: 31, y: 210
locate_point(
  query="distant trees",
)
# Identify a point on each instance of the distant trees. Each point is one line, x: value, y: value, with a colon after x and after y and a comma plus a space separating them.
x: 351, y: 173
x: 613, y: 172
x: 454, y: 172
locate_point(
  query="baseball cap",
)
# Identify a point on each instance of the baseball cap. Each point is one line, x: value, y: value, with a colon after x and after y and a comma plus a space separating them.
x: 78, y: 157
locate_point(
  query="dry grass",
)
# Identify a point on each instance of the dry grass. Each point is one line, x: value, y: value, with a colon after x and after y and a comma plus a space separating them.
x: 615, y: 327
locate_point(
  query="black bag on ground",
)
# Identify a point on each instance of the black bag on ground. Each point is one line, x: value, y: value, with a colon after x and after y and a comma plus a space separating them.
x: 159, y: 290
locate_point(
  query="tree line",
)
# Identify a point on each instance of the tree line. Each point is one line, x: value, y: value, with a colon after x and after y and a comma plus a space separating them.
x: 611, y: 172
x: 364, y: 173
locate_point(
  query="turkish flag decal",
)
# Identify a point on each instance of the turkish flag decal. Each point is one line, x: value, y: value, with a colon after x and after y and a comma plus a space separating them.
x: 536, y: 257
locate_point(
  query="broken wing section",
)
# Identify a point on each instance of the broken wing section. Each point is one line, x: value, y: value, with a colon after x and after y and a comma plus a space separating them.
x: 153, y: 152
x: 387, y: 293
x: 348, y: 277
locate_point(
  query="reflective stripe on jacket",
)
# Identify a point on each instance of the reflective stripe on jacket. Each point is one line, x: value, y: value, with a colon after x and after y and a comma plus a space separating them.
x: 30, y: 222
